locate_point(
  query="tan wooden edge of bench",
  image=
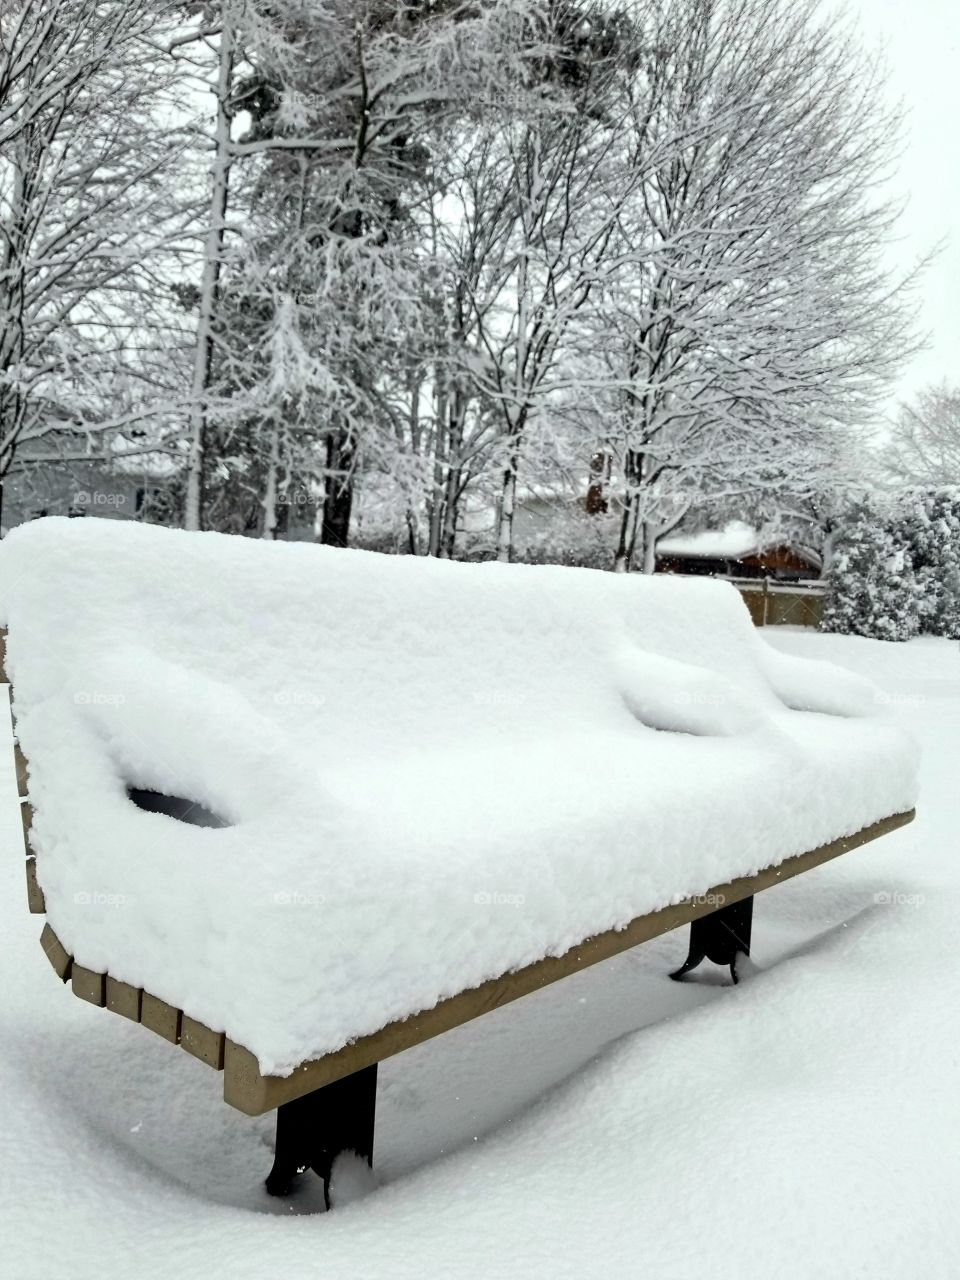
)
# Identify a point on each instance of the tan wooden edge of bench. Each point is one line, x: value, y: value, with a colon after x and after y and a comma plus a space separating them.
x: 247, y: 1089
x: 35, y: 900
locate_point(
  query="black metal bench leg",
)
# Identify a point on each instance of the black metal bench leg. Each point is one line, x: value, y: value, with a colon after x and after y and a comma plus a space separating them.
x: 722, y: 936
x: 313, y: 1130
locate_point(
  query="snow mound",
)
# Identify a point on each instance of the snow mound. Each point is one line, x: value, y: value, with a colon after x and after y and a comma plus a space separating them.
x: 428, y: 773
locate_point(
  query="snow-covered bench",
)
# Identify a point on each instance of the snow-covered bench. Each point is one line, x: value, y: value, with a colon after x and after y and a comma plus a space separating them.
x: 298, y: 809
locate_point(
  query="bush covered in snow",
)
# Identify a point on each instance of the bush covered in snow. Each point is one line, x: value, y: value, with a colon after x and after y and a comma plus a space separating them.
x: 932, y: 524
x: 896, y: 568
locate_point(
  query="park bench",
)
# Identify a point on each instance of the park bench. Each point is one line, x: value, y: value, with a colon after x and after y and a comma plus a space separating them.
x: 297, y: 810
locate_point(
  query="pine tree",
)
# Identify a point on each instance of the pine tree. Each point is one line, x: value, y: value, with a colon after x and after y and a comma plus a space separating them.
x: 873, y: 585
x: 932, y: 525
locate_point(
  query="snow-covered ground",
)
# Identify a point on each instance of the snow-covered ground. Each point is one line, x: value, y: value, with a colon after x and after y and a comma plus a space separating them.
x: 802, y: 1125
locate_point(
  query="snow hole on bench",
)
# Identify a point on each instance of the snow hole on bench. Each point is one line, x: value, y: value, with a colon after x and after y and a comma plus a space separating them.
x: 178, y: 807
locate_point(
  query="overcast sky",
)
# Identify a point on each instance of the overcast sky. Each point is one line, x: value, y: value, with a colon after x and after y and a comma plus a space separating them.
x: 921, y: 40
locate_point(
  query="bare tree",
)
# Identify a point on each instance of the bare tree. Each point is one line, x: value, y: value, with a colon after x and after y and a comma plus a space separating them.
x: 678, y: 253
x: 570, y: 174
x: 91, y: 222
x: 924, y: 447
x: 212, y: 263
x: 761, y: 326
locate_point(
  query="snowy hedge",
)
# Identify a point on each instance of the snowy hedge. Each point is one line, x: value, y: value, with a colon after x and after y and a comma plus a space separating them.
x: 896, y: 570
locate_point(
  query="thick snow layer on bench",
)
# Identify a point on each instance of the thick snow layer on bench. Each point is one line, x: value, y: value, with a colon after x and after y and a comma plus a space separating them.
x: 431, y: 773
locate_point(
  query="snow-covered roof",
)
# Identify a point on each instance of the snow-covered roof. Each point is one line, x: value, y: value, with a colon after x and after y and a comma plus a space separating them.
x: 431, y: 773
x: 733, y: 542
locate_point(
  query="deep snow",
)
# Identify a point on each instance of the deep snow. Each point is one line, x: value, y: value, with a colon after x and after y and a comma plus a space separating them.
x: 433, y: 773
x: 799, y: 1127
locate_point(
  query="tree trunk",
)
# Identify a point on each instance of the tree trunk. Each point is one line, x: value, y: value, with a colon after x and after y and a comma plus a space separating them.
x: 596, y: 503
x: 270, y: 488
x: 13, y: 338
x: 508, y: 505
x: 621, y: 559
x: 649, y: 547
x: 629, y: 521
x: 203, y: 353
x: 435, y: 508
x: 338, y: 490
x: 451, y: 499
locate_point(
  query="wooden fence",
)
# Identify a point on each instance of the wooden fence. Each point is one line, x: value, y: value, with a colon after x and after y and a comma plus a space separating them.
x: 773, y: 604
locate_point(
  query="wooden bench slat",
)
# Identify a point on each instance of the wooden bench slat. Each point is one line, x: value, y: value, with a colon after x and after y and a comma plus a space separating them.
x: 20, y: 760
x: 56, y: 953
x: 35, y: 899
x: 160, y: 1017
x: 89, y: 985
x: 203, y: 1043
x: 123, y: 999
x: 247, y: 1089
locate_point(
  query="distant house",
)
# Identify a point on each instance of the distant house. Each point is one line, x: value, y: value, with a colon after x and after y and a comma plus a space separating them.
x: 71, y: 472
x: 737, y: 551
x: 64, y: 473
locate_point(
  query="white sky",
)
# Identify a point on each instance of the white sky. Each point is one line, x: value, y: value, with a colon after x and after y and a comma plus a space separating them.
x: 921, y: 42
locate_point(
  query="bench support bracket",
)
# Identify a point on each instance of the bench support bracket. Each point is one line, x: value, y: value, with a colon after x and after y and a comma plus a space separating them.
x: 723, y: 936
x: 314, y: 1129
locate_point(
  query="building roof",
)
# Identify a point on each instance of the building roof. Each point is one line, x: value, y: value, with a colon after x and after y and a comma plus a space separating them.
x: 735, y: 541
